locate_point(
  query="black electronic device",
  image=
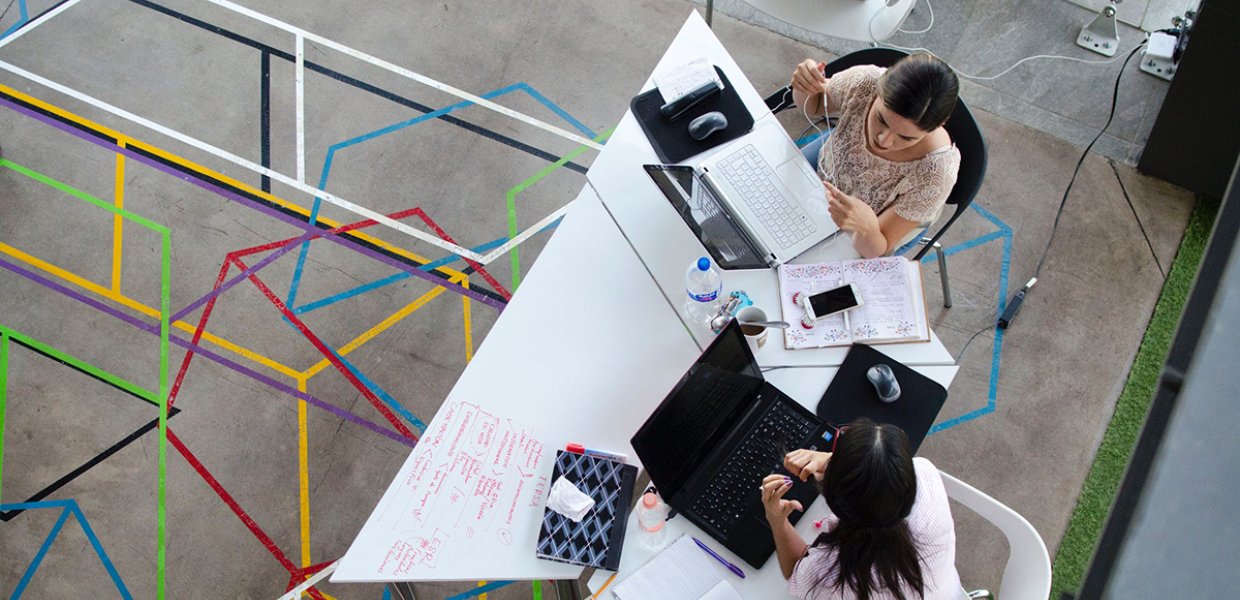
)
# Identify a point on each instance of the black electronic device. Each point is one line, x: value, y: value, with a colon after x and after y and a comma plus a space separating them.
x: 717, y: 434
x: 681, y: 106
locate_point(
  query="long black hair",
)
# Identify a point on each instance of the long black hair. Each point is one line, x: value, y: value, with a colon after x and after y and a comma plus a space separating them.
x: 921, y: 88
x: 870, y: 486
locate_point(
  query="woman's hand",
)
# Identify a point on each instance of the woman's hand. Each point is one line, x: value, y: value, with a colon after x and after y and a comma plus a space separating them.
x: 809, y: 87
x: 849, y: 213
x: 773, y: 489
x: 808, y: 79
x: 805, y: 463
x: 856, y: 217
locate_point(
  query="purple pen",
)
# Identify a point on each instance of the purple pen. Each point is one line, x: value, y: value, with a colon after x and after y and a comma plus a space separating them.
x: 731, y: 567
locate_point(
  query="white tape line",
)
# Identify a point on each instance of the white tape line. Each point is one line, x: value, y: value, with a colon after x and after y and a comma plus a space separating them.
x: 524, y: 235
x: 228, y: 156
x: 383, y: 64
x: 37, y: 22
x: 301, y: 108
x: 295, y: 593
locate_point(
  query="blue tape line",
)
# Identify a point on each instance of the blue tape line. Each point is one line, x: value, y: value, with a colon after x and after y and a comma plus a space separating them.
x: 374, y: 285
x: 387, y: 399
x: 345, y: 295
x: 387, y: 594
x: 21, y: 7
x: 973, y: 243
x: 35, y: 505
x: 482, y: 589
x: 563, y: 114
x: 38, y: 557
x: 1003, y: 232
x: 69, y: 506
x: 331, y: 153
x: 103, y: 556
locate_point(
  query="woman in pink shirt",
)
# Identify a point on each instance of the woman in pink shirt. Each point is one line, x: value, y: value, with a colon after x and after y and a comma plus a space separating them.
x: 888, y: 165
x: 890, y: 533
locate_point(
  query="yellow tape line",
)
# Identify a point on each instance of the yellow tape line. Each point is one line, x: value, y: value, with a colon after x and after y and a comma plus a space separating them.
x: 382, y: 326
x: 84, y: 283
x: 126, y: 140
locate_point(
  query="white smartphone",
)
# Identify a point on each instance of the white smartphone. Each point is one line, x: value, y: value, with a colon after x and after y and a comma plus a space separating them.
x: 830, y: 302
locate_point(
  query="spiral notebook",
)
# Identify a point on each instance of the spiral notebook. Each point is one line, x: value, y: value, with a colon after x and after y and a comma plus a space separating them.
x: 598, y: 539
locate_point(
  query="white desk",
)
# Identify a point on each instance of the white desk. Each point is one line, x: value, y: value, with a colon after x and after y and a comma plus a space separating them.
x: 570, y: 368
x: 561, y: 366
x: 667, y: 246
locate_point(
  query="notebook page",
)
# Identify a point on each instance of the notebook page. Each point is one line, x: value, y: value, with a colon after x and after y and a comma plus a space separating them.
x: 890, y: 308
x: 722, y: 591
x: 680, y: 571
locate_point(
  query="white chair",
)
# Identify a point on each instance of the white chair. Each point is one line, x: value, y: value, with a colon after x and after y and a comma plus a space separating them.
x: 1027, y: 575
x: 860, y: 20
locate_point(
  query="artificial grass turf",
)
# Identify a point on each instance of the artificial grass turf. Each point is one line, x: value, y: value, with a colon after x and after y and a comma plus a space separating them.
x: 1101, y: 484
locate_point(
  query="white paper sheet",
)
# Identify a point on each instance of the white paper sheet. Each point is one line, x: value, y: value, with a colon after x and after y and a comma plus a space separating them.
x: 685, y: 78
x: 682, y: 570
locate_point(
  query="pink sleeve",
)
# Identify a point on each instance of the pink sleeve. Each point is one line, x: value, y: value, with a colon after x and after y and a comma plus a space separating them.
x: 809, y: 570
x: 931, y: 517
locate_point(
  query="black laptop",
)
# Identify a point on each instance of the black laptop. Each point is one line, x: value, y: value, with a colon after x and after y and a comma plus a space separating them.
x: 719, y: 432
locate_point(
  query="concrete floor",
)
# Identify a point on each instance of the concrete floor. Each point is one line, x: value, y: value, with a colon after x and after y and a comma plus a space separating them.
x: 1025, y: 432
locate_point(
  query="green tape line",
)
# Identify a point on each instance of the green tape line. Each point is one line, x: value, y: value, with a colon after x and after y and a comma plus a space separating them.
x: 165, y: 309
x: 511, y: 199
x: 161, y: 399
x: 4, y: 381
x: 79, y: 194
x: 84, y: 366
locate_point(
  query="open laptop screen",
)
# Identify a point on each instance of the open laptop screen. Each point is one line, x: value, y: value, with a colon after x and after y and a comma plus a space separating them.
x: 699, y: 411
x: 703, y: 213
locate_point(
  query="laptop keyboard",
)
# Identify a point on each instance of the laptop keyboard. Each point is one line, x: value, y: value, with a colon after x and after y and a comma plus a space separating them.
x: 751, y: 176
x: 727, y: 496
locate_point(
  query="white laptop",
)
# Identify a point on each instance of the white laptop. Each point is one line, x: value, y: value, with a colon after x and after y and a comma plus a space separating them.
x: 754, y: 203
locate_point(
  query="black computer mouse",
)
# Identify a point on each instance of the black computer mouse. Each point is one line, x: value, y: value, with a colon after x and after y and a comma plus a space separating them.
x: 701, y: 127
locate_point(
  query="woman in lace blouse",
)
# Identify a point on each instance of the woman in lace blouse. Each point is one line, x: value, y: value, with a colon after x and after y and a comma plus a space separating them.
x: 888, y: 165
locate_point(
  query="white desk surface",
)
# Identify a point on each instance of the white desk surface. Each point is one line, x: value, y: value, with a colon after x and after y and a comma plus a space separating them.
x: 667, y: 246
x: 806, y: 386
x: 559, y: 363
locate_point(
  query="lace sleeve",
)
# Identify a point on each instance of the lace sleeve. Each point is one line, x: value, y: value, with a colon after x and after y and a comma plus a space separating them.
x: 854, y: 86
x: 923, y: 193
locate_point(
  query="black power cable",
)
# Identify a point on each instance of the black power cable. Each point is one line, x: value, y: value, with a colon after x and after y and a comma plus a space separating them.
x: 1013, y: 306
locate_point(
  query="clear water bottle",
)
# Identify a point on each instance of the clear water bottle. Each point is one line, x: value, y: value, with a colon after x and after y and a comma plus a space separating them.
x: 704, y: 286
x: 651, y: 519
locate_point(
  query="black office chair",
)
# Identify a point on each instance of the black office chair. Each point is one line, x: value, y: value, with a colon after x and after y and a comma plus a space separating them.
x: 962, y: 128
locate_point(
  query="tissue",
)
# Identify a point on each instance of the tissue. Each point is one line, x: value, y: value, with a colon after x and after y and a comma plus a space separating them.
x: 569, y: 501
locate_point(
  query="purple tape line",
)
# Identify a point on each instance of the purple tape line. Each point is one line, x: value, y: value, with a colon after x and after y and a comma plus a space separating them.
x: 211, y: 187
x: 196, y: 349
x: 270, y: 258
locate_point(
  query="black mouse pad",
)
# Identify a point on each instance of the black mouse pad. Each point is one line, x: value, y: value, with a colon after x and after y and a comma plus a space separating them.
x: 851, y: 396
x: 671, y: 140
